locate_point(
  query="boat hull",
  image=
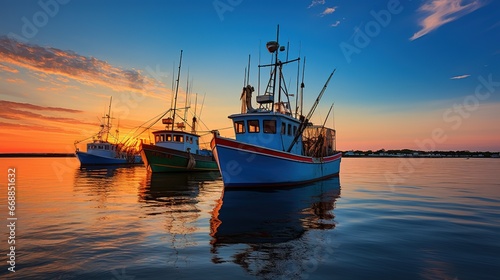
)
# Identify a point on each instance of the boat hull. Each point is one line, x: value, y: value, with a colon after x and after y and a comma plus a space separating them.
x: 245, y: 165
x: 91, y: 159
x: 161, y: 159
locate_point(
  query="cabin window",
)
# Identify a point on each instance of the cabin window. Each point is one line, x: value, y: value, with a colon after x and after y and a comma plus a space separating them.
x: 169, y: 137
x: 289, y: 129
x: 106, y: 147
x: 270, y: 126
x: 190, y: 140
x: 239, y: 127
x: 162, y: 137
x: 157, y: 138
x: 253, y: 126
x: 283, y: 128
x: 178, y: 138
x: 294, y: 130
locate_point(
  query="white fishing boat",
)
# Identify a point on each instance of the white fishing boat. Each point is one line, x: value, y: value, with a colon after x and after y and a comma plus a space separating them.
x: 274, y: 145
x: 103, y: 152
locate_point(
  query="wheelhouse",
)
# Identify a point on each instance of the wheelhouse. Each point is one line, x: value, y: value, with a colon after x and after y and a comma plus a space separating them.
x: 100, y: 146
x: 177, y: 140
x: 267, y: 129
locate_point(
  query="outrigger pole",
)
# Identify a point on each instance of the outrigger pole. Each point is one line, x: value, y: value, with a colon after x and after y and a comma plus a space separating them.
x: 304, y: 121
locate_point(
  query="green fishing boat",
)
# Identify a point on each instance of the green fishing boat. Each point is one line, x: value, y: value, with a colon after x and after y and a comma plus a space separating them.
x: 174, y: 148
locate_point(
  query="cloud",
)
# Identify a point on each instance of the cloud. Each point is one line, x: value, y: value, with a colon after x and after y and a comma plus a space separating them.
x: 459, y: 77
x: 439, y: 12
x: 316, y: 2
x: 28, y: 106
x: 328, y: 11
x: 70, y: 65
x: 8, y: 69
x: 26, y: 111
x: 15, y: 81
x: 335, y: 24
x: 31, y: 128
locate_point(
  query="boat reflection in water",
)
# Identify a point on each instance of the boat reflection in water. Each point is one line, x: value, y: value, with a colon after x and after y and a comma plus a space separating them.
x: 178, y: 199
x: 280, y: 228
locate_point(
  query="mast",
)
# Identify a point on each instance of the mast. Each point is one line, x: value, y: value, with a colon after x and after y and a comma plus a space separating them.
x: 173, y: 86
x: 186, y: 103
x: 108, y: 116
x: 276, y: 67
x: 302, y: 88
x: 193, y: 127
x: 176, y: 91
x: 297, y: 87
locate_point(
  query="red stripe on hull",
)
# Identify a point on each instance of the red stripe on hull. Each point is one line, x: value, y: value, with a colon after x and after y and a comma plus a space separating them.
x: 269, y: 152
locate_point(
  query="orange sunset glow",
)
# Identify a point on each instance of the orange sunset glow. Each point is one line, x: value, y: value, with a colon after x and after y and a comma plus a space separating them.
x: 56, y: 81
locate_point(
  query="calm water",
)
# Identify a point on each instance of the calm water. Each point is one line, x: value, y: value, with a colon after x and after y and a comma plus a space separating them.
x: 382, y: 219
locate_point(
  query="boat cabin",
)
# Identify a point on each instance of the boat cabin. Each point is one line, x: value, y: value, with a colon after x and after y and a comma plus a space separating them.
x: 102, y: 148
x: 272, y: 130
x: 177, y: 140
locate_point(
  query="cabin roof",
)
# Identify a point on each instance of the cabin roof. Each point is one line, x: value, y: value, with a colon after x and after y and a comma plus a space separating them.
x: 176, y: 132
x: 263, y: 114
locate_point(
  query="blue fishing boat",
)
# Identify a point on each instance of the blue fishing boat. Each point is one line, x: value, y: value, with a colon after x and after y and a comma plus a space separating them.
x: 103, y: 152
x: 275, y: 146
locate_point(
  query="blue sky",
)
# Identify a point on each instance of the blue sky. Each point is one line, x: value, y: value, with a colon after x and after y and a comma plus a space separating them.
x: 401, y: 65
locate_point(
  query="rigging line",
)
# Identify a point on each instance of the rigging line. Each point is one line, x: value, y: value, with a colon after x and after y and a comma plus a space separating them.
x: 79, y: 141
x: 203, y: 123
x: 202, y: 104
x: 148, y: 127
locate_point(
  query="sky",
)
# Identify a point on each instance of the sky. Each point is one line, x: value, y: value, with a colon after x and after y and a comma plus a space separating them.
x: 421, y: 75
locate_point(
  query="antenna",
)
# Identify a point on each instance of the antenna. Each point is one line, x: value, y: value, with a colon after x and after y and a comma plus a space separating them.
x: 245, y: 78
x: 248, y: 72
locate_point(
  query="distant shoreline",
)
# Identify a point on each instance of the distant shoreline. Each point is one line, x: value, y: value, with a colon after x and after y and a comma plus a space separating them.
x: 350, y: 154
x: 406, y: 153
x: 32, y: 155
